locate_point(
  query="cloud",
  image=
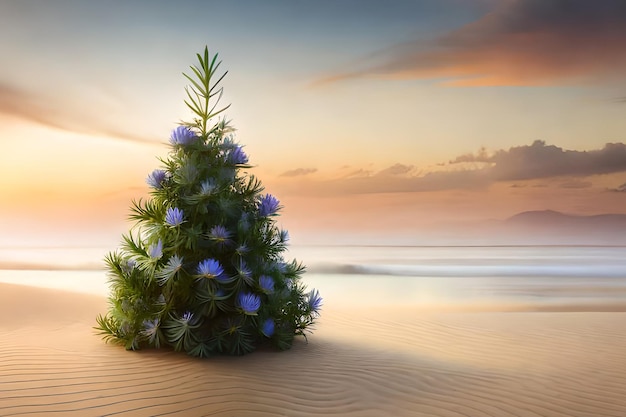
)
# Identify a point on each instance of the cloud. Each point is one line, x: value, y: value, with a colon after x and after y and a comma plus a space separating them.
x: 522, y: 42
x: 46, y: 111
x: 358, y: 173
x: 394, y: 170
x: 521, y: 163
x: 298, y: 172
x: 576, y: 184
x: 19, y: 103
x: 481, y: 156
x: 543, y: 161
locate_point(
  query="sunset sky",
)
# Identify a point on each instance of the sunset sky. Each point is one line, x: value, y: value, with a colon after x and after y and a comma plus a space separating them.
x: 365, y: 118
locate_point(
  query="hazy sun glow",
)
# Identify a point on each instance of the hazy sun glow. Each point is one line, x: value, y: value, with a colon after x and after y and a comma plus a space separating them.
x: 358, y: 131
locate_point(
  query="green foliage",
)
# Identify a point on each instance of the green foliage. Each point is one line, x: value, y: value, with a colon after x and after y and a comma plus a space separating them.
x: 215, y: 281
x: 202, y: 90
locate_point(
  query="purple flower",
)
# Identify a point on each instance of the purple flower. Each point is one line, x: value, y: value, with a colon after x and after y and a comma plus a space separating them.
x: 156, y: 178
x: 237, y: 156
x: 210, y: 268
x: 284, y: 236
x: 174, y: 216
x: 282, y: 267
x: 220, y: 235
x: 267, y: 328
x: 249, y: 303
x: 128, y: 266
x: 187, y: 317
x: 268, y: 206
x: 242, y: 249
x: 267, y: 284
x: 156, y: 251
x: 315, y: 301
x: 182, y: 136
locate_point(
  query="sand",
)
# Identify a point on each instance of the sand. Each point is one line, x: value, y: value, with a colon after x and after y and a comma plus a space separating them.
x: 382, y: 361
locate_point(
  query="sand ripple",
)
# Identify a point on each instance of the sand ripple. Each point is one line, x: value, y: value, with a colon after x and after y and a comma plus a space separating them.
x: 384, y: 362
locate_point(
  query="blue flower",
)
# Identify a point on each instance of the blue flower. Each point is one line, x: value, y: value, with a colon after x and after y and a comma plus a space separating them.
x: 182, y: 136
x: 281, y: 267
x: 267, y: 328
x: 249, y: 303
x: 174, y: 216
x: 268, y: 205
x: 156, y: 178
x: 267, y: 284
x: 187, y: 318
x: 220, y: 235
x: 242, y: 249
x: 156, y: 251
x: 128, y: 266
x: 210, y: 268
x: 315, y: 301
x: 237, y: 156
x: 284, y: 236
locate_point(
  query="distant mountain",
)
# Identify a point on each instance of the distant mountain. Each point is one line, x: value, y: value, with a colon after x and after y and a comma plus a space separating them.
x: 554, y: 226
x: 543, y: 227
x: 551, y: 218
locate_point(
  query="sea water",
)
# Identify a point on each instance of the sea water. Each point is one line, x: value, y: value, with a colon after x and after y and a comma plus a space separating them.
x: 475, y: 277
x: 479, y: 277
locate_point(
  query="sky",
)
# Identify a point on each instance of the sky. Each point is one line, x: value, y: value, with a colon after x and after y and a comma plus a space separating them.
x: 367, y: 119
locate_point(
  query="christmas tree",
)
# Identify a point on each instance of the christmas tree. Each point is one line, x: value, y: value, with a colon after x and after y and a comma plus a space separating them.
x: 202, y: 269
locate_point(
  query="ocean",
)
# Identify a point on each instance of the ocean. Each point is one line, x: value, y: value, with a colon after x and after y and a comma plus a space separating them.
x: 480, y: 278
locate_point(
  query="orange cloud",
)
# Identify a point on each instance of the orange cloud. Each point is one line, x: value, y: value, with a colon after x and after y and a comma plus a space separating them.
x: 47, y: 111
x: 298, y: 172
x: 523, y: 42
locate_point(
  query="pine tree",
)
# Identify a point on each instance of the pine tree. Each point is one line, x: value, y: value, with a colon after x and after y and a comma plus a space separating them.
x: 202, y: 270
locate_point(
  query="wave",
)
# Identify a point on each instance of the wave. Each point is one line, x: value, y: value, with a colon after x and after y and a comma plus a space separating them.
x: 465, y: 270
x: 583, y: 262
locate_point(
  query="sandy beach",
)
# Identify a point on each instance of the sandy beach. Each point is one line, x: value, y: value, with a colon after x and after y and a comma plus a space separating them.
x: 384, y: 361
